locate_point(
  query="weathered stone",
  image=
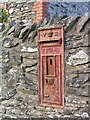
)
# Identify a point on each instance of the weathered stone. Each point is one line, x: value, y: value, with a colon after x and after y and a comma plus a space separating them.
x: 50, y: 116
x: 77, y: 43
x: 67, y: 112
x: 18, y: 28
x: 29, y: 62
x: 31, y: 50
x: 86, y: 28
x: 25, y: 90
x: 20, y: 79
x: 82, y: 114
x: 75, y: 100
x: 15, y: 59
x: 5, y: 57
x: 11, y: 30
x: 30, y: 56
x: 71, y: 22
x: 16, y: 74
x: 28, y: 29
x: 11, y: 10
x: 31, y: 69
x: 5, y: 68
x: 8, y: 43
x: 84, y: 91
x: 71, y: 90
x: 8, y: 26
x: 78, y: 81
x: 33, y: 26
x: 33, y: 77
x: 32, y: 36
x: 6, y: 60
x: 79, y: 58
x: 23, y: 31
x: 8, y: 94
x: 83, y: 20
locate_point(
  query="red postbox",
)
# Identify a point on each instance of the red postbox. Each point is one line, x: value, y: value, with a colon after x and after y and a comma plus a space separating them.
x: 51, y: 67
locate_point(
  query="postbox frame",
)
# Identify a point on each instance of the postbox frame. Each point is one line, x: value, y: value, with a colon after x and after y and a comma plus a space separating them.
x: 41, y: 41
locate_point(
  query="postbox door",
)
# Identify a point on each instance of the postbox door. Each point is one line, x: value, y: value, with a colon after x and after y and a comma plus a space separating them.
x: 51, y: 79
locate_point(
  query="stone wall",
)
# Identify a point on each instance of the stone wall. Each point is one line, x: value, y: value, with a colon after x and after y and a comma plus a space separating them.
x: 21, y: 10
x: 26, y: 10
x: 77, y: 62
x: 19, y: 68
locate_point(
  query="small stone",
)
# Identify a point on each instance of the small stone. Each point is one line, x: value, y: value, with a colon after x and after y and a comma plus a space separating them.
x: 27, y: 29
x: 85, y: 115
x: 82, y: 21
x: 5, y: 68
x: 67, y: 112
x: 79, y: 58
x: 6, y: 60
x: 23, y: 31
x: 8, y: 94
x: 57, y: 115
x: 16, y: 59
x: 38, y: 113
x: 8, y: 43
x: 11, y: 10
x: 66, y: 116
x: 85, y: 91
x: 71, y: 22
x: 18, y: 28
x: 33, y: 35
x: 11, y: 30
x: 48, y: 109
x: 29, y: 49
x: 50, y: 116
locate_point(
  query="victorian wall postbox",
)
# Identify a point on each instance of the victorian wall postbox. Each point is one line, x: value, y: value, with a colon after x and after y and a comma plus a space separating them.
x: 51, y: 67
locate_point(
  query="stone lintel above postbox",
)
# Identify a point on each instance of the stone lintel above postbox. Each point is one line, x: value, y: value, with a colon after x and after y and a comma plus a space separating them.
x: 50, y: 34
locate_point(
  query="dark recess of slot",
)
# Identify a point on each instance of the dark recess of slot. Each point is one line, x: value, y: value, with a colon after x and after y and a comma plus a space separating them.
x: 51, y: 41
x: 50, y: 61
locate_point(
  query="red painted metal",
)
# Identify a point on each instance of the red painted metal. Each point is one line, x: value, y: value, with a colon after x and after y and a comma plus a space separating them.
x: 51, y: 67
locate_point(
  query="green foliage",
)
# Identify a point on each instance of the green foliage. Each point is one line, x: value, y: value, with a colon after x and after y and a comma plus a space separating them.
x: 4, y: 15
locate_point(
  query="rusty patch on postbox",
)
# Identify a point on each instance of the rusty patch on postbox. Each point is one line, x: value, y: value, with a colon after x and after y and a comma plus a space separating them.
x: 51, y: 67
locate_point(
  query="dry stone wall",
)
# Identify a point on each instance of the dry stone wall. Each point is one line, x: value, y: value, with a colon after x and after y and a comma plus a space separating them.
x: 27, y: 11
x: 18, y: 67
x: 21, y: 10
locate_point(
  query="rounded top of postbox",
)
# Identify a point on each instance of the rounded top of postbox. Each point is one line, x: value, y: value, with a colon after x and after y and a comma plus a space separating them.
x: 50, y: 27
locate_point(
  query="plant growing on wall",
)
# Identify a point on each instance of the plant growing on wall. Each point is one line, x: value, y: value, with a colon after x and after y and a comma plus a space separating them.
x: 4, y: 15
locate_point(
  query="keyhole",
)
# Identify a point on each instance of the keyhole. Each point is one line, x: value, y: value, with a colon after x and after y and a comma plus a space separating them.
x: 50, y: 61
x: 46, y: 81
